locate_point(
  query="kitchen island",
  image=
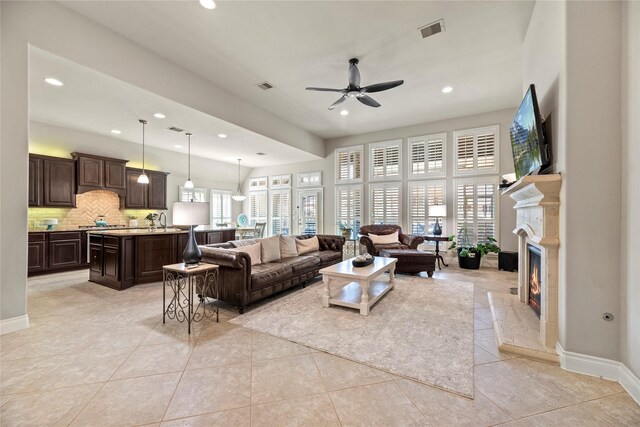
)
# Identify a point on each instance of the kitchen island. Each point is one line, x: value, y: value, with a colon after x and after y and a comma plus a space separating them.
x: 120, y: 259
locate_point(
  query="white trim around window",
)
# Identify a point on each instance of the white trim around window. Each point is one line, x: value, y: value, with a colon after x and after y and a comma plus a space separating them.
x: 258, y: 183
x: 476, y: 206
x: 385, y: 160
x: 348, y: 164
x: 423, y: 194
x: 476, y: 151
x: 309, y: 179
x: 220, y: 206
x: 348, y: 205
x: 385, y: 203
x: 427, y: 156
x: 196, y: 194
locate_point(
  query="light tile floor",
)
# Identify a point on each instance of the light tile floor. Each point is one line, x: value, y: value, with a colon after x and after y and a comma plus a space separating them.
x: 95, y: 356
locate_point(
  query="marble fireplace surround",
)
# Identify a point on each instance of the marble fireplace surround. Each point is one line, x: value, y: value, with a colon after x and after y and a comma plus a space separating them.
x: 517, y: 328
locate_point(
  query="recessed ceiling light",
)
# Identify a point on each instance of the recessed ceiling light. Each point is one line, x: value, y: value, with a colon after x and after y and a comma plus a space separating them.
x: 222, y: 135
x: 53, y: 82
x: 116, y: 131
x: 208, y: 4
x: 344, y: 113
x: 447, y: 89
x: 159, y: 116
x: 177, y: 146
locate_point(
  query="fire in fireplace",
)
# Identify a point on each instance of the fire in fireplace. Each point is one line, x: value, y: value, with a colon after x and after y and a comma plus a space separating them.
x: 535, y: 274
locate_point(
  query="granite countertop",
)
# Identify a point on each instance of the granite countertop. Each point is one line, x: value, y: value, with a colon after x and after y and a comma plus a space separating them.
x: 149, y: 232
x: 68, y: 229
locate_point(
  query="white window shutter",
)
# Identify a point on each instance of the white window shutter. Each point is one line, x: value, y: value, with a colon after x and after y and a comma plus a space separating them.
x: 417, y: 158
x: 220, y: 206
x: 435, y: 155
x: 348, y: 164
x: 280, y: 212
x: 476, y: 208
x: 423, y: 194
x: 384, y: 203
x: 476, y: 151
x: 349, y: 206
x: 257, y: 206
x: 384, y: 159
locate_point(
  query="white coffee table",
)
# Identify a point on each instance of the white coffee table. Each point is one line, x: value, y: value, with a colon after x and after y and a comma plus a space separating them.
x: 365, y: 290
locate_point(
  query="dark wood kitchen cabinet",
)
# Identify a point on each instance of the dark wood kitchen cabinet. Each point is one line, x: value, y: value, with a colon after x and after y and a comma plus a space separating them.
x: 100, y: 173
x: 35, y: 181
x: 37, y: 253
x: 52, y: 181
x: 54, y: 251
x: 146, y: 196
x: 152, y: 252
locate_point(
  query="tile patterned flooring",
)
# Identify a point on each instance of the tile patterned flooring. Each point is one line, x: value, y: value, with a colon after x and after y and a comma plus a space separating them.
x: 95, y: 356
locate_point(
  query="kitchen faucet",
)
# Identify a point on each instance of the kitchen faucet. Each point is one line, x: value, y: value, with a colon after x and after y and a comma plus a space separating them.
x: 163, y: 225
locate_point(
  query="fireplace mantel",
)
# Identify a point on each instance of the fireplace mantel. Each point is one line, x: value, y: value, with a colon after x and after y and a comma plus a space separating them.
x: 537, y: 224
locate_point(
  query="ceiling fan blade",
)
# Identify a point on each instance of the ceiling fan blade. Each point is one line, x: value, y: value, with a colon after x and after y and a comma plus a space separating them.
x: 354, y: 75
x: 324, y: 89
x: 379, y: 87
x: 338, y: 102
x: 367, y: 100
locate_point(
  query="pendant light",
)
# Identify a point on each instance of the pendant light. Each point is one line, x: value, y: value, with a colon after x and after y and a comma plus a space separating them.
x: 189, y: 183
x: 238, y: 196
x: 143, y: 178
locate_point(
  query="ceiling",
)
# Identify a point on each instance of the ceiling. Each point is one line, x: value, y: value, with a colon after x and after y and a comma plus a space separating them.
x: 294, y: 44
x: 97, y: 103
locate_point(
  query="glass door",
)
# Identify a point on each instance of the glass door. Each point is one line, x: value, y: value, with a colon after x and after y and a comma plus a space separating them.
x: 309, y: 211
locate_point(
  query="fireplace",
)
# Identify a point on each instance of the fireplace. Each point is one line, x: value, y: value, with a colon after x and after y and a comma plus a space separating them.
x: 535, y: 278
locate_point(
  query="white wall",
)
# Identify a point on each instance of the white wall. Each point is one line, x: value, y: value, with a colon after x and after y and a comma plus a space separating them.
x: 60, y: 142
x: 56, y: 29
x: 630, y: 289
x: 502, y: 118
x: 572, y: 54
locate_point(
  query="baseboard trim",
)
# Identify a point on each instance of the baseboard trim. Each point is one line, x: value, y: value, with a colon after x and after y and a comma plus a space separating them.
x: 601, y: 368
x: 14, y: 324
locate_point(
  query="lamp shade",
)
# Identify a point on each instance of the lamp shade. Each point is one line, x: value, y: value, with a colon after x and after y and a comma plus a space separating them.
x: 190, y: 213
x: 438, y: 210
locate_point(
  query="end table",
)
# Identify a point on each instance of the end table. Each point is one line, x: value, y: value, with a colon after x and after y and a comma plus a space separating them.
x: 182, y: 280
x: 438, y: 239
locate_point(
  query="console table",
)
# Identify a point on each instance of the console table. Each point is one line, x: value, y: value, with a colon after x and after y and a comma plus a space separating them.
x: 438, y: 239
x: 183, y: 281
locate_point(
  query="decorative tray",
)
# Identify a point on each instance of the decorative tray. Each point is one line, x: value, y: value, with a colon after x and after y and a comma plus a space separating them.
x: 362, y: 263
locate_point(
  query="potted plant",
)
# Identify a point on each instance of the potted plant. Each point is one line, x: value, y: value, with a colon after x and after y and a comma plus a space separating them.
x: 345, y: 229
x: 151, y: 219
x: 133, y: 221
x: 470, y: 255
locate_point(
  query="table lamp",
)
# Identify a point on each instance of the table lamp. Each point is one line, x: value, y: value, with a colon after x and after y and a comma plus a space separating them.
x: 438, y: 211
x: 191, y: 214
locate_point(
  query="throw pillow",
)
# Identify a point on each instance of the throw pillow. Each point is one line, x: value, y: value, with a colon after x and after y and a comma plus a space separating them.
x: 308, y: 245
x: 252, y: 250
x: 288, y: 246
x: 243, y: 242
x: 270, y: 249
x: 384, y: 239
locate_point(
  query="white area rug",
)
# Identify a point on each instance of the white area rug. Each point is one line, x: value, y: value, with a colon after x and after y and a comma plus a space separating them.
x: 422, y: 329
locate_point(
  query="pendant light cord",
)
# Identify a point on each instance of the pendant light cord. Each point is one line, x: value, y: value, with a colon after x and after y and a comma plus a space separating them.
x: 144, y: 122
x: 189, y: 162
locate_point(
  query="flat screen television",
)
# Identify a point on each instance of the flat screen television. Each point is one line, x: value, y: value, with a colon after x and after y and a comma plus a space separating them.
x: 531, y: 153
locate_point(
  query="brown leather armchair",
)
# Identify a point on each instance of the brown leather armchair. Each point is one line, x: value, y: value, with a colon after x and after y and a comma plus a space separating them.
x: 407, y: 241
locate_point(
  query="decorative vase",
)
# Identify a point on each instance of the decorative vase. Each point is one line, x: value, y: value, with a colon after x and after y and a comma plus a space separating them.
x: 346, y: 234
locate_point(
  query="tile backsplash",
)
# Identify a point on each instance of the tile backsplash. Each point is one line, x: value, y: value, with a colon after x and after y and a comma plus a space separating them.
x: 88, y: 207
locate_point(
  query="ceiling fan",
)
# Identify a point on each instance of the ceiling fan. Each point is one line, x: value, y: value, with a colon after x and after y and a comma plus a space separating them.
x: 355, y: 91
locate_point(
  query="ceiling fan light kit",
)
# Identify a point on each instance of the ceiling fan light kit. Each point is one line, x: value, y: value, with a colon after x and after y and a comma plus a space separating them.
x: 353, y: 90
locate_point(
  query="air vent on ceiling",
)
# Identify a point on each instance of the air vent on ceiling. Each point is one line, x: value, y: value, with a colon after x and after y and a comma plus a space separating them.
x: 431, y: 29
x: 265, y: 85
x: 175, y: 129
x: 261, y: 154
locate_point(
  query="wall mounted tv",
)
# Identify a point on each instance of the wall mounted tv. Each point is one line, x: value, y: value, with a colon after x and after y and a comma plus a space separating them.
x: 531, y: 150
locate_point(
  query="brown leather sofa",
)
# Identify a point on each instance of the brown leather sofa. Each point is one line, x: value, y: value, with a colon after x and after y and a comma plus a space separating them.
x: 242, y: 284
x: 407, y: 241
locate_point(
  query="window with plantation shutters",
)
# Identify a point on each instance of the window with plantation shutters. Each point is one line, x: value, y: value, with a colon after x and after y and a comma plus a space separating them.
x: 427, y: 156
x: 476, y: 209
x: 476, y: 151
x: 384, y: 203
x: 349, y: 164
x: 384, y: 160
x: 349, y: 207
x: 192, y: 194
x: 257, y: 207
x: 280, y: 181
x: 423, y: 194
x: 220, y: 206
x: 280, y: 212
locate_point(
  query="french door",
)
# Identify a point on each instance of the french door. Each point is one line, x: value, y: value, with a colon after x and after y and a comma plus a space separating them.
x: 309, y: 211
